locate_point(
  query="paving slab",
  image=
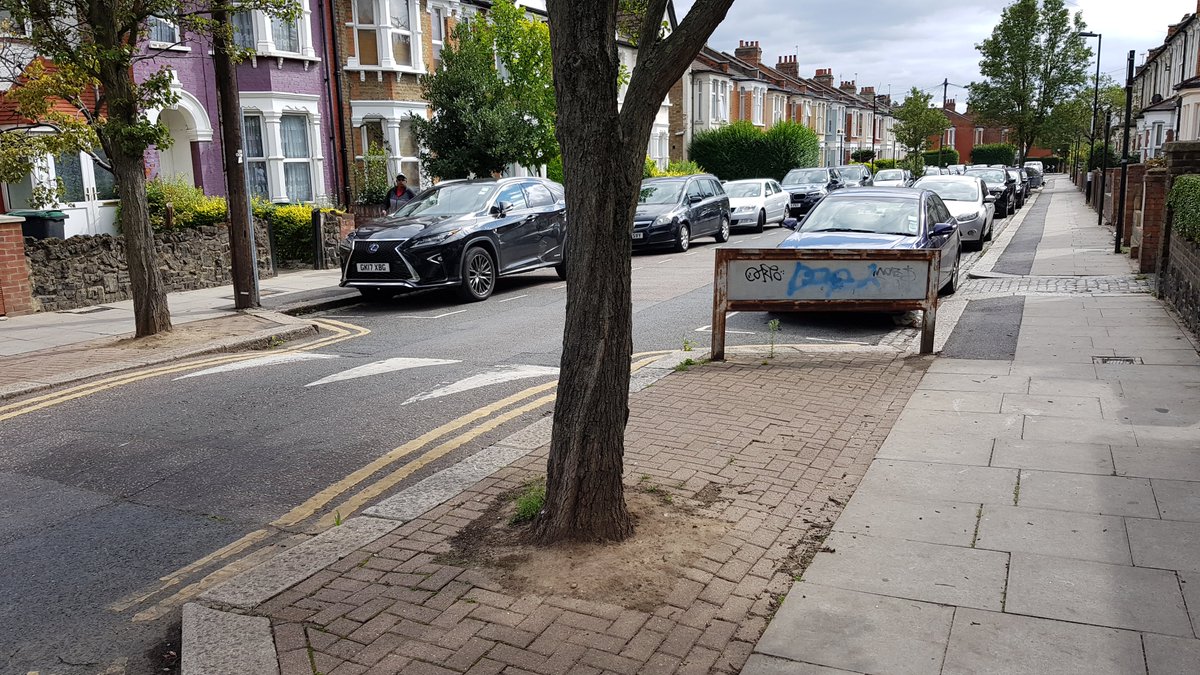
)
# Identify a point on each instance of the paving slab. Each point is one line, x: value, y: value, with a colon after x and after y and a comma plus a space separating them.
x: 970, y: 366
x: 1095, y: 593
x: 1004, y: 384
x: 1053, y: 456
x: 1189, y: 583
x: 1046, y: 428
x: 859, y: 632
x: 1083, y: 493
x: 1165, y: 544
x: 1177, y: 499
x: 761, y: 664
x: 1058, y: 405
x: 991, y: 643
x: 936, y: 522
x: 937, y: 448
x: 1170, y: 655
x: 222, y: 643
x: 1181, y: 437
x: 1055, y: 533
x: 957, y: 401
x: 967, y: 424
x: 914, y: 570
x: 1157, y: 462
x: 941, y: 482
x: 1069, y: 371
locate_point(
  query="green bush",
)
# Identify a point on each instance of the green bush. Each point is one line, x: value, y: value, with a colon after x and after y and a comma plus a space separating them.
x: 1184, y: 199
x: 651, y: 169
x: 291, y: 228
x: 371, y: 180
x: 742, y: 150
x: 994, y: 153
x: 192, y: 207
x: 864, y: 156
x: 554, y: 169
x: 1097, y: 155
x: 881, y: 164
x: 948, y: 156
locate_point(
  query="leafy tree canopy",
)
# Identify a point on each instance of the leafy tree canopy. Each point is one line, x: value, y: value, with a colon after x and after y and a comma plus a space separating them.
x: 916, y: 122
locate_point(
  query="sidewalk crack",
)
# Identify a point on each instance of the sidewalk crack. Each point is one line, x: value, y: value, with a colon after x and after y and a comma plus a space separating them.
x: 978, y: 521
x: 1017, y: 488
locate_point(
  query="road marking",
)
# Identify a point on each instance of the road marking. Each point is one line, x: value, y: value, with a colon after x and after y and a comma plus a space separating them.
x: 426, y: 316
x: 558, y: 287
x: 514, y: 298
x: 381, y: 367
x: 497, y: 376
x: 636, y: 269
x: 272, y: 360
x: 849, y: 342
x: 708, y: 326
x: 664, y: 261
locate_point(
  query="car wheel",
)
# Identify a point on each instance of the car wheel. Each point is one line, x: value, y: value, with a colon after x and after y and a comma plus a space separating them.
x: 561, y: 270
x: 683, y: 238
x: 762, y: 221
x: 952, y: 285
x: 375, y: 293
x: 478, y: 275
x: 722, y: 234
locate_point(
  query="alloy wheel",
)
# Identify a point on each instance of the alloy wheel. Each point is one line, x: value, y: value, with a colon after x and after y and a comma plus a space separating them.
x: 480, y: 274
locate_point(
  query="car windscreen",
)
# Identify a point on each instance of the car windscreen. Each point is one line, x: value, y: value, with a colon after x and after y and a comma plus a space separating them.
x: 660, y: 193
x: 880, y: 215
x: 853, y: 172
x: 890, y: 174
x: 806, y: 177
x: 952, y: 190
x: 454, y: 199
x: 735, y: 190
x: 994, y: 178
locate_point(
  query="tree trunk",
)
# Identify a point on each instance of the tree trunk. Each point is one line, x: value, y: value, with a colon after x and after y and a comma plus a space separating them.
x: 126, y: 150
x: 584, y: 493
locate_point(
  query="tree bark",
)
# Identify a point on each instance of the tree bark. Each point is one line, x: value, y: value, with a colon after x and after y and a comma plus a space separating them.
x: 603, y: 152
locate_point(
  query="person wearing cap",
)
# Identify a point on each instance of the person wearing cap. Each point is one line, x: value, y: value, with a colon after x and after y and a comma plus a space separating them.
x: 399, y: 195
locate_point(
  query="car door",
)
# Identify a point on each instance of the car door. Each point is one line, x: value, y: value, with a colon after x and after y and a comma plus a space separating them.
x: 719, y: 202
x: 936, y: 213
x: 547, y: 245
x: 516, y: 229
x: 696, y: 208
x: 779, y: 202
x: 709, y: 212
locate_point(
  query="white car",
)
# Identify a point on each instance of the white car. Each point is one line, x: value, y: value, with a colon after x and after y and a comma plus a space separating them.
x: 893, y: 178
x: 756, y: 202
x: 1036, y: 165
x: 967, y: 199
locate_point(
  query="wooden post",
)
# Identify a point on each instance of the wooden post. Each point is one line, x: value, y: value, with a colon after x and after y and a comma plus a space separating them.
x: 720, y: 306
x: 169, y: 217
x: 929, y: 314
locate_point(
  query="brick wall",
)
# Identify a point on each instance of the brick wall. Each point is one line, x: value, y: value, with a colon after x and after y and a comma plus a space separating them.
x: 1183, y: 157
x: 678, y: 123
x: 1179, y: 280
x: 15, y: 291
x: 1148, y: 221
x: 1133, y: 197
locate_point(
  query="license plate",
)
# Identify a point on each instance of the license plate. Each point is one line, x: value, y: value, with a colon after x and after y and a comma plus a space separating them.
x: 374, y: 267
x: 639, y: 235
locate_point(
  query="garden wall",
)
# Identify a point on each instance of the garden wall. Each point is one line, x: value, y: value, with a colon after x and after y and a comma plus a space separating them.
x: 1179, y: 280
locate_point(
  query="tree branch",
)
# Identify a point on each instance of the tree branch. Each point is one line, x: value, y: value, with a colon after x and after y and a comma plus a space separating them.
x: 651, y: 26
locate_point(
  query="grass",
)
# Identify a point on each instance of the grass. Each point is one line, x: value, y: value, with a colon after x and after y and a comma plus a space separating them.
x: 687, y: 363
x: 529, y: 502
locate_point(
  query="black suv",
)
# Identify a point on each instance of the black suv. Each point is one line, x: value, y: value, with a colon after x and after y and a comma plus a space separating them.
x: 672, y: 211
x: 856, y: 175
x: 1000, y: 186
x: 809, y: 186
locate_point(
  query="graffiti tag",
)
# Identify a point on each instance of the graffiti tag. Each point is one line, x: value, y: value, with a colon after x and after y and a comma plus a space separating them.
x: 830, y: 280
x: 764, y: 273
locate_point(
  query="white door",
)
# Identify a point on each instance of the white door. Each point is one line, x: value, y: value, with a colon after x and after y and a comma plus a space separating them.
x: 89, y: 195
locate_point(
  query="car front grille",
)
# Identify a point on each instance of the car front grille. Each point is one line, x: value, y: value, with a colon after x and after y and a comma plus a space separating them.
x: 399, y: 268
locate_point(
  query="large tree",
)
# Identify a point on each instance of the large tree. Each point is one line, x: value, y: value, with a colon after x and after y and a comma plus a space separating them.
x: 915, y: 123
x: 603, y: 150
x: 1070, y: 120
x: 74, y: 75
x: 1033, y: 60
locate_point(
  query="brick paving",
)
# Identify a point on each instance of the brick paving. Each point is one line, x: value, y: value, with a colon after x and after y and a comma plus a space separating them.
x: 1058, y: 285
x: 785, y: 445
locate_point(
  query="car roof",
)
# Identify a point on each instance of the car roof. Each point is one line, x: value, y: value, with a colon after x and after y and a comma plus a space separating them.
x: 748, y: 180
x: 950, y: 177
x: 890, y: 193
x: 677, y: 179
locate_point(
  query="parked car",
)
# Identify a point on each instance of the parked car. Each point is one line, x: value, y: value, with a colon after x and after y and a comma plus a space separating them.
x: 855, y: 175
x: 957, y: 169
x: 893, y: 178
x: 883, y: 218
x: 933, y: 171
x: 1023, y: 175
x: 756, y: 202
x: 1020, y: 188
x: 998, y: 185
x: 462, y: 234
x: 673, y: 211
x: 969, y: 202
x: 809, y: 186
x: 1036, y: 180
x: 1034, y: 164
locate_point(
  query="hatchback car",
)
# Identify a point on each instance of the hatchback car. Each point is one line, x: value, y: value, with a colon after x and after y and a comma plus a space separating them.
x: 1036, y: 180
x: 856, y: 175
x: 673, y: 211
x: 462, y: 234
x: 969, y: 202
x: 809, y: 186
x: 999, y: 186
x: 883, y: 218
x: 756, y: 202
x: 893, y: 178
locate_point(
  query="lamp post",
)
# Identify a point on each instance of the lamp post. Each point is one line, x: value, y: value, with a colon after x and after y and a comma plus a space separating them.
x: 1120, y: 239
x: 1104, y: 176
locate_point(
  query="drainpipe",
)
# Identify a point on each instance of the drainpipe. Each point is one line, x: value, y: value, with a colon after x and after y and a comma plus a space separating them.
x: 333, y: 92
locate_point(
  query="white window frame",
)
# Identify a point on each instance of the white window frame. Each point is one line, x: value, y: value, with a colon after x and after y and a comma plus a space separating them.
x: 175, y: 44
x: 272, y: 106
x: 757, y: 105
x: 303, y: 161
x: 264, y: 36
x: 383, y: 38
x: 978, y: 135
x: 723, y: 101
x: 258, y: 159
x: 438, y: 17
x: 394, y: 114
x: 777, y: 109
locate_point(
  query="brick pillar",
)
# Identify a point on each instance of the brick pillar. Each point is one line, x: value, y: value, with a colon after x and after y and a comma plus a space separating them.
x: 15, y: 291
x: 1133, y: 197
x: 1153, y: 216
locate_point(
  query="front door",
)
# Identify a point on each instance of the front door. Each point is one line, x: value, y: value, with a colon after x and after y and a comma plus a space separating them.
x: 89, y: 195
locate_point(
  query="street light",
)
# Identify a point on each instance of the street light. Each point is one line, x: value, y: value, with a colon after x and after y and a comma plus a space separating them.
x: 1125, y: 151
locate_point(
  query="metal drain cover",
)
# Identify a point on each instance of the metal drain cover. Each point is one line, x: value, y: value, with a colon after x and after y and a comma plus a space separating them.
x: 1121, y: 360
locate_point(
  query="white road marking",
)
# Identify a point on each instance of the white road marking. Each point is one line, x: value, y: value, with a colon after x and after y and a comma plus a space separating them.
x: 255, y: 363
x: 636, y: 269
x: 426, y: 316
x: 518, y: 297
x: 558, y: 287
x: 380, y: 367
x: 664, y: 262
x: 728, y: 316
x: 497, y: 376
x: 852, y: 342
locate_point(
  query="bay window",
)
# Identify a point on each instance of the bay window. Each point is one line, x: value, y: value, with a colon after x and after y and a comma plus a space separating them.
x: 243, y: 30
x: 386, y: 34
x: 758, y: 105
x: 297, y: 158
x: 438, y: 35
x: 271, y: 36
x: 256, y: 157
x: 286, y: 34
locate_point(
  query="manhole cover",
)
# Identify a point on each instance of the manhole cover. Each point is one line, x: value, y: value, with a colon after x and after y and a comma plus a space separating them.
x: 1125, y: 360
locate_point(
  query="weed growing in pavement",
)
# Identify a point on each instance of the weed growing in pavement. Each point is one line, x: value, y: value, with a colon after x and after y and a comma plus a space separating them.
x: 773, y: 328
x: 688, y: 345
x: 645, y: 477
x: 337, y: 518
x: 273, y: 342
x: 529, y: 502
x: 1140, y: 277
x: 683, y: 367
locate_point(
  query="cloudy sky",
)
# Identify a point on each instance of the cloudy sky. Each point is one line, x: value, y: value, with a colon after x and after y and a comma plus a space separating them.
x: 906, y: 43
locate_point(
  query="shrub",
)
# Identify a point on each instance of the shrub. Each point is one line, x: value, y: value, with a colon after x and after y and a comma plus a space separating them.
x: 651, y: 169
x: 1096, y: 155
x: 994, y: 153
x: 948, y: 156
x: 292, y: 227
x: 863, y: 156
x: 192, y: 207
x: 881, y: 164
x: 554, y: 169
x: 742, y: 150
x: 1185, y: 200
x: 371, y: 180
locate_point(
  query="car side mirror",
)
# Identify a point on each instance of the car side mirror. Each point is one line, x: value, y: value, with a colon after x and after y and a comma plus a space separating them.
x: 943, y: 229
x: 990, y: 199
x: 695, y: 199
x: 500, y: 208
x: 791, y: 223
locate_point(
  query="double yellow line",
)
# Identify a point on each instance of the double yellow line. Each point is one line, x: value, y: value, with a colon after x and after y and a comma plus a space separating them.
x: 341, y: 332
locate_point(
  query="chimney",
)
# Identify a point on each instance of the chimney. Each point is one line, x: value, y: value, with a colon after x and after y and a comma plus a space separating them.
x: 849, y: 87
x: 749, y: 51
x: 824, y: 76
x: 951, y: 105
x: 868, y: 92
x: 788, y: 65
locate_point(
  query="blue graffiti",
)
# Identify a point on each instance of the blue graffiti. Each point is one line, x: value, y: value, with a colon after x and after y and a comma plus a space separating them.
x: 833, y: 281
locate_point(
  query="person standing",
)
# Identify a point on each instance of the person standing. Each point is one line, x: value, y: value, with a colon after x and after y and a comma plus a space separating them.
x: 400, y: 195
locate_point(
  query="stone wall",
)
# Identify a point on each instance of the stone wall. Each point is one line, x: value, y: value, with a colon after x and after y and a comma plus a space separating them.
x: 1179, y: 280
x: 90, y: 270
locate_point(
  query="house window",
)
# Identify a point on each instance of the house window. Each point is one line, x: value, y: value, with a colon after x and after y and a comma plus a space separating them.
x: 383, y: 33
x: 163, y: 31
x: 372, y: 136
x: 438, y: 35
x: 256, y: 156
x: 243, y: 30
x: 286, y: 35
x: 402, y: 50
x: 978, y: 135
x: 777, y: 115
x: 758, y: 106
x: 297, y: 157
x: 1158, y: 134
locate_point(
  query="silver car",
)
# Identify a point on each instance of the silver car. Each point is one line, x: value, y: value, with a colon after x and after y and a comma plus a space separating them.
x: 969, y: 202
x: 893, y: 178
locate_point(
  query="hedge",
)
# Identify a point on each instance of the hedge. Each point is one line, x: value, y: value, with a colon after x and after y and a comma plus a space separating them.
x: 863, y: 156
x: 741, y: 150
x: 291, y: 228
x: 880, y: 164
x: 651, y: 169
x: 994, y: 153
x: 1185, y: 200
x: 1096, y: 154
x: 192, y: 207
x: 948, y: 156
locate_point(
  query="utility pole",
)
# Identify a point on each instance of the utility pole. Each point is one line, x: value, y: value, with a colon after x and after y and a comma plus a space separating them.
x: 241, y: 247
x: 1125, y: 153
x: 941, y: 140
x: 1104, y: 176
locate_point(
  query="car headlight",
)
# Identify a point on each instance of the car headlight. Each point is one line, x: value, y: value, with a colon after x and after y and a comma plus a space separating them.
x: 434, y: 239
x: 662, y: 220
x: 745, y: 209
x: 967, y: 217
